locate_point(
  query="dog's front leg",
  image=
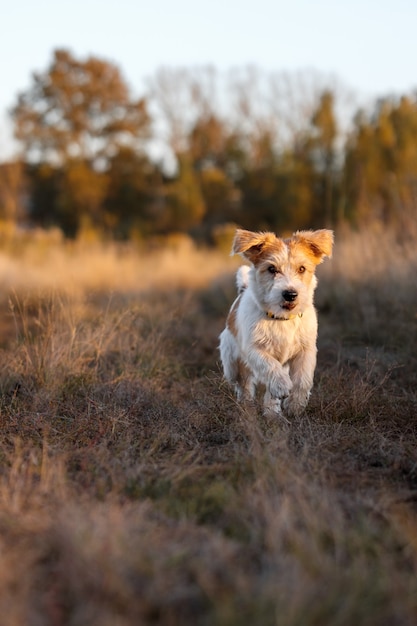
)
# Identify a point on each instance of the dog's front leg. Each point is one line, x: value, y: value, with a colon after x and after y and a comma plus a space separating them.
x: 301, y: 372
x: 268, y: 370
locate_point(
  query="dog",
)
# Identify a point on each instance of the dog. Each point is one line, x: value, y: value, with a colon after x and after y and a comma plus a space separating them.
x: 271, y: 330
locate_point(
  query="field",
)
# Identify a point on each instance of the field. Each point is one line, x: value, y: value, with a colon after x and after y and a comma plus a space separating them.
x: 134, y: 490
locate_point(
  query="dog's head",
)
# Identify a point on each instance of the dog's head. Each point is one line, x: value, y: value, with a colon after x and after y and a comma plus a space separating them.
x: 283, y: 270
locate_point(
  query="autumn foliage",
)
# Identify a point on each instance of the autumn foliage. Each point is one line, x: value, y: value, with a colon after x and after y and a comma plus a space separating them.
x: 199, y: 150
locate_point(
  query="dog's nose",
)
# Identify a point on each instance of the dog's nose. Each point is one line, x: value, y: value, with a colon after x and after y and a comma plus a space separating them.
x: 289, y: 295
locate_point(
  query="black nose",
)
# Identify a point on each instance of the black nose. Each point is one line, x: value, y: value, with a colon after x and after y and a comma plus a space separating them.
x: 289, y: 295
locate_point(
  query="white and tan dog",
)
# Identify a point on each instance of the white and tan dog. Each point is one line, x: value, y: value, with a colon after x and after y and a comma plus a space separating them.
x: 271, y: 331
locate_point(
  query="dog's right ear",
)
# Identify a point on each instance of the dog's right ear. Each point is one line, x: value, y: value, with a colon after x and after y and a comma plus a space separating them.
x: 252, y: 245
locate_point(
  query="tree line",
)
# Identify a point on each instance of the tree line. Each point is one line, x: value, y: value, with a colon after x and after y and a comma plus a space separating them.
x: 199, y: 150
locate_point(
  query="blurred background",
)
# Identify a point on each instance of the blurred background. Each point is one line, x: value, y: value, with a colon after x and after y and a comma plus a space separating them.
x: 132, y: 120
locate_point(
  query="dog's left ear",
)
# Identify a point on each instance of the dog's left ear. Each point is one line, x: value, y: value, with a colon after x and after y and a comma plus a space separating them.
x: 320, y: 242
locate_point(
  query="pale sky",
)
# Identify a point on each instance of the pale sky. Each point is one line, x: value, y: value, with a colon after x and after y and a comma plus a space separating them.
x: 370, y: 45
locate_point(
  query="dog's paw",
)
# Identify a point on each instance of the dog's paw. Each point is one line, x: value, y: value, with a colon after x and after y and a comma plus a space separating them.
x: 295, y: 403
x: 272, y: 407
x: 280, y: 386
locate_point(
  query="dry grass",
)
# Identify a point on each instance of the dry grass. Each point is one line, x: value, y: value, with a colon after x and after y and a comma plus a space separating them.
x: 134, y: 490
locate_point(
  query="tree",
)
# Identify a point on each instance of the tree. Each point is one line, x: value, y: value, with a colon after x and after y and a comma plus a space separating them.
x: 206, y: 151
x: 134, y: 199
x: 323, y: 154
x: 12, y: 191
x: 381, y: 163
x: 181, y: 97
x: 72, y: 121
x: 78, y: 109
x: 185, y: 203
x: 81, y: 195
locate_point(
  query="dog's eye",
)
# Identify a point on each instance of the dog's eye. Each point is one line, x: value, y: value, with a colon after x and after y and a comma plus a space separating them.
x: 272, y: 269
x: 301, y: 269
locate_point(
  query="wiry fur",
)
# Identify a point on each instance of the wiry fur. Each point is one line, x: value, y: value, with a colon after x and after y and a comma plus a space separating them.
x: 271, y: 331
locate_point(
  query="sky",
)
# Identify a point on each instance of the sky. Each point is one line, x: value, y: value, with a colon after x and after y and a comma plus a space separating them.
x: 369, y: 45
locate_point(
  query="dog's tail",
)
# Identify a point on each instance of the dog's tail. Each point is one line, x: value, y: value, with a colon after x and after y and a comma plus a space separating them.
x: 242, y: 278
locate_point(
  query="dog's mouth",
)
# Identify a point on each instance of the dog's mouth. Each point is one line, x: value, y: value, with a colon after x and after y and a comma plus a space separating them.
x: 289, y: 306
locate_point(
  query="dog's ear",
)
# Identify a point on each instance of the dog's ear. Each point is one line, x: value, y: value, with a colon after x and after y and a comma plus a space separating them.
x: 252, y: 245
x: 320, y: 242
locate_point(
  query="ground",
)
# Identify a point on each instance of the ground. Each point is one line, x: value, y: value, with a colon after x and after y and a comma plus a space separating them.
x: 135, y: 490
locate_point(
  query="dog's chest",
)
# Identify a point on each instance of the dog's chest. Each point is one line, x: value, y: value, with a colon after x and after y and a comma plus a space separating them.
x: 281, y: 339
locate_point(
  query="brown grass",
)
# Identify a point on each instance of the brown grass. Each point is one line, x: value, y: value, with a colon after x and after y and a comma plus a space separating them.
x: 133, y: 488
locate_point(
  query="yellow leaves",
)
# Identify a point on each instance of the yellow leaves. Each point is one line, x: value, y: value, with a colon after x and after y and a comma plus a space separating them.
x: 382, y: 161
x: 217, y: 188
x: 385, y: 132
x: 86, y: 187
x: 324, y: 120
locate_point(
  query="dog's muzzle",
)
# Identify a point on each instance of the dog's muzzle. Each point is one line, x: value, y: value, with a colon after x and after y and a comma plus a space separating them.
x: 289, y: 296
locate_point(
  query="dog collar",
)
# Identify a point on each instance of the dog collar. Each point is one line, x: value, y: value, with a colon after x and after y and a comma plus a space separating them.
x: 292, y: 316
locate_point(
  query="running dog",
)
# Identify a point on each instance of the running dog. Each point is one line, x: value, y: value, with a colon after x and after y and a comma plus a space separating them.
x: 271, y: 330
